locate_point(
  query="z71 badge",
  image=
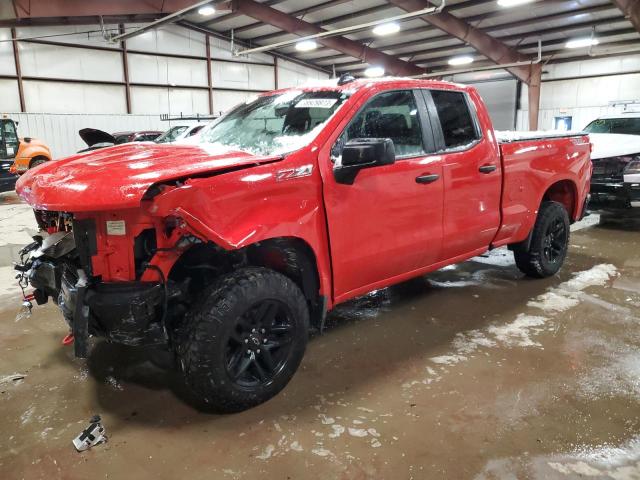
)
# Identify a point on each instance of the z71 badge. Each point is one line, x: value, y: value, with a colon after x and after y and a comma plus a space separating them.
x: 289, y: 173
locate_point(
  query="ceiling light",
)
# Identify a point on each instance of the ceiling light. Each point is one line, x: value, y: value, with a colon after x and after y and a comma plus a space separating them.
x: 374, y: 72
x: 513, y: 3
x: 582, y: 42
x: 386, y: 29
x: 463, y: 60
x: 207, y: 10
x: 306, y: 45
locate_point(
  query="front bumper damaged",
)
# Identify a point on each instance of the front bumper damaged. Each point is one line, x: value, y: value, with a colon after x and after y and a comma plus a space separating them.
x: 130, y: 313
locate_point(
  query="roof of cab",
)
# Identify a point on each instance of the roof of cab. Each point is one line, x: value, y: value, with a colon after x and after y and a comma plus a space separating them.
x: 357, y: 84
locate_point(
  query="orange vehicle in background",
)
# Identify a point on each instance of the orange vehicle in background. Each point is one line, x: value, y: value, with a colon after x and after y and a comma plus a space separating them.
x: 26, y: 152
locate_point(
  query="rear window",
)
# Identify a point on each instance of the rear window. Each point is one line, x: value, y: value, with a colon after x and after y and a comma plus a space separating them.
x: 456, y: 120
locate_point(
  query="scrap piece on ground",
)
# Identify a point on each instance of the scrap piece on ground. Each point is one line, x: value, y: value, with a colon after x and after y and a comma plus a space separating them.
x: 91, y: 436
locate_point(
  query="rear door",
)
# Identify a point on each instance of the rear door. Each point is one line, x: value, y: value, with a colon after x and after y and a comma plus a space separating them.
x: 472, y: 173
x: 389, y: 222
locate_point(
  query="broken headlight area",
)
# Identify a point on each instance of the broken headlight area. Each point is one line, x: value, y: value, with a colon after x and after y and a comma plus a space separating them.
x: 58, y: 266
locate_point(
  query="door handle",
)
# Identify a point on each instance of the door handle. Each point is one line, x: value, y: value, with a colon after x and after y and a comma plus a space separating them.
x: 427, y: 178
x: 487, y: 168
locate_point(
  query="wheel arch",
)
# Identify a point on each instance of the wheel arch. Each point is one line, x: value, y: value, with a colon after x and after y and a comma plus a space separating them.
x: 36, y: 158
x: 290, y: 256
x: 565, y: 192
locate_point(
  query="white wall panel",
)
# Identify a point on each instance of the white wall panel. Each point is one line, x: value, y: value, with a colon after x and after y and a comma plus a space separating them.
x: 9, y: 97
x: 223, y: 101
x: 75, y: 34
x: 72, y: 63
x: 291, y: 74
x: 151, y: 100
x: 165, y: 70
x: 60, y: 131
x: 7, y: 63
x: 593, y: 66
x: 222, y: 49
x: 57, y: 97
x: 583, y: 99
x: 169, y: 39
x: 242, y: 75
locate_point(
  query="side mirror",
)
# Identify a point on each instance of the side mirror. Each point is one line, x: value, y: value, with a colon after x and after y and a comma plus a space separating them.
x: 361, y: 153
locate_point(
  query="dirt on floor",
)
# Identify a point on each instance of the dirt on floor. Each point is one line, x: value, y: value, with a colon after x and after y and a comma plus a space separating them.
x: 472, y: 372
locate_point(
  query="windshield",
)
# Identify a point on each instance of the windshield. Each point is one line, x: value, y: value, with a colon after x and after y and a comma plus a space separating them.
x: 275, y: 124
x: 629, y: 126
x: 171, y: 134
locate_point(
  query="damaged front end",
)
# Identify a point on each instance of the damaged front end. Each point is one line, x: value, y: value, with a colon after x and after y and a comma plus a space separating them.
x: 58, y: 266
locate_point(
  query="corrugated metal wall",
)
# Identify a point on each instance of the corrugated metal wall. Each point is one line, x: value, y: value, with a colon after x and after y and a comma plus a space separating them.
x: 181, y: 82
x: 60, y: 131
x: 583, y: 99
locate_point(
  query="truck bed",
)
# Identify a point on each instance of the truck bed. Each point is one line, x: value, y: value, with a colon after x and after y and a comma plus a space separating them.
x: 533, y: 161
x: 508, y: 136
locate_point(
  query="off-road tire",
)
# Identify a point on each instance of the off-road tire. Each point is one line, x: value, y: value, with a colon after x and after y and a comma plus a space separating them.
x: 205, y: 336
x: 534, y: 262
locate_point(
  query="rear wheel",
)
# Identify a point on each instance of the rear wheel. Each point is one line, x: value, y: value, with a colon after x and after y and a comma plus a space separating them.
x: 549, y: 242
x: 242, y: 344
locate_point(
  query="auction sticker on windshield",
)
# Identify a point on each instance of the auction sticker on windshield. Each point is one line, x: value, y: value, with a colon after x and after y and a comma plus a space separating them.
x: 316, y: 103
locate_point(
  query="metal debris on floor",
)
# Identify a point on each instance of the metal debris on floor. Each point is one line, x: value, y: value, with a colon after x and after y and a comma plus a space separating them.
x: 91, y: 436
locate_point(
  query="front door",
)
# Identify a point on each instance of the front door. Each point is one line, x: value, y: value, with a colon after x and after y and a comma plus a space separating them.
x: 388, y: 223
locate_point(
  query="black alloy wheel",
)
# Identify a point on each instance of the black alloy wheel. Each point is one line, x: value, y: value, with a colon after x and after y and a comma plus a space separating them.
x: 547, y: 249
x: 244, y: 340
x: 555, y: 240
x: 260, y: 344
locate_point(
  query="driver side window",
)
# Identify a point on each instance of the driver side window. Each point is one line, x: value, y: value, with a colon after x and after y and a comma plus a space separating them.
x: 391, y: 115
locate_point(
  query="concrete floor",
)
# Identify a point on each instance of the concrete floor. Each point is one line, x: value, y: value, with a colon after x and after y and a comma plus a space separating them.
x: 471, y: 372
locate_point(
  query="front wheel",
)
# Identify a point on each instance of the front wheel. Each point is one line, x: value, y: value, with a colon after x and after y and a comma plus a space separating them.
x: 549, y: 242
x: 244, y: 341
x: 37, y: 162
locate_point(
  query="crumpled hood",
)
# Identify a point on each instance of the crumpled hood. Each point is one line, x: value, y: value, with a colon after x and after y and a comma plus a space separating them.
x: 607, y: 145
x: 117, y: 177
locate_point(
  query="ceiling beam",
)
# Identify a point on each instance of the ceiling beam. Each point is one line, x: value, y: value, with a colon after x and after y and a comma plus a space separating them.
x: 631, y: 10
x: 484, y: 43
x: 290, y: 24
x: 550, y: 48
x: 297, y: 13
x: 221, y: 36
x: 455, y: 49
x: 322, y: 23
x: 492, y: 28
x: 62, y: 21
x: 231, y: 15
x: 93, y: 8
x: 353, y: 16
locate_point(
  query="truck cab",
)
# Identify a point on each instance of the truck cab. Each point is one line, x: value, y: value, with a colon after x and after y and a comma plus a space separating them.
x: 9, y: 145
x: 20, y: 154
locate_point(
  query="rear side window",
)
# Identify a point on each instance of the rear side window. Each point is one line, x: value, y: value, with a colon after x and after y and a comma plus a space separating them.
x: 458, y: 127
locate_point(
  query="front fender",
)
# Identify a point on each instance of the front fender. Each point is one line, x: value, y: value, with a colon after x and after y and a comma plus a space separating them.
x: 240, y: 208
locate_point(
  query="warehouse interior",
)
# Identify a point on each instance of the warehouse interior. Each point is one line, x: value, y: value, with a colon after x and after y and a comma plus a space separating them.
x: 472, y: 370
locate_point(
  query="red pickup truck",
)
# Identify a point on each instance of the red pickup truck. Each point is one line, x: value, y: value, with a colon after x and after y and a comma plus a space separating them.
x: 227, y: 251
